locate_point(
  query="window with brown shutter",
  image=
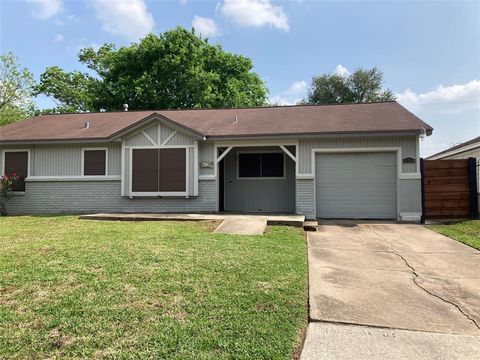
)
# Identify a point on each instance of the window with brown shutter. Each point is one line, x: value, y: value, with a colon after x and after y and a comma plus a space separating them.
x: 145, y: 170
x: 159, y: 170
x: 172, y: 170
x: 94, y: 162
x: 16, y: 162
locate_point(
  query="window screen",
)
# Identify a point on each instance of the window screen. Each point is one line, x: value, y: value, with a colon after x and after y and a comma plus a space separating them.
x: 263, y: 165
x: 94, y: 162
x: 16, y: 162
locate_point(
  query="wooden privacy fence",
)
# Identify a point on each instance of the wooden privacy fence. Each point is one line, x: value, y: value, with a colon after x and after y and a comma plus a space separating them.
x: 449, y: 189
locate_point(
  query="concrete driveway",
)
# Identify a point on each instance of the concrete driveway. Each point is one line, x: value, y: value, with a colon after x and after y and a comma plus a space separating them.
x: 380, y: 284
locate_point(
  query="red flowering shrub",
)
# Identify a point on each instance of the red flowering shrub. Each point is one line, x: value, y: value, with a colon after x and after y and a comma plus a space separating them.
x: 6, y: 186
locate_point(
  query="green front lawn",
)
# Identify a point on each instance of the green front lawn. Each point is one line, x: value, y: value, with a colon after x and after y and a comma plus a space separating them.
x: 467, y: 232
x: 90, y: 289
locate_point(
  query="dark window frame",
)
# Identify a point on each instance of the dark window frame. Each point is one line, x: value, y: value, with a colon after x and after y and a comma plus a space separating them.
x: 22, y: 182
x: 84, y: 150
x: 261, y: 176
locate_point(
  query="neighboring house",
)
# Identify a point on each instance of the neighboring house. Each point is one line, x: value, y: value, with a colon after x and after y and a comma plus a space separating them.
x: 465, y: 150
x: 470, y: 148
x: 327, y: 161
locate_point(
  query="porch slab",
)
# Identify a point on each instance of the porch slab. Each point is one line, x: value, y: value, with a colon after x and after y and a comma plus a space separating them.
x: 271, y: 219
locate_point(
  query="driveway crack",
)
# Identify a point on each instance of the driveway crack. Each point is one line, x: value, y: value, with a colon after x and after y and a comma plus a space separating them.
x: 416, y: 276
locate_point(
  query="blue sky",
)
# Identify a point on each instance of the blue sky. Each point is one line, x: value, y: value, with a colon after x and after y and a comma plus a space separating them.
x: 429, y: 52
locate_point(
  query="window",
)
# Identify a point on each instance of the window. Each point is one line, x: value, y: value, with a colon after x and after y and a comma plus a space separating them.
x: 261, y: 165
x: 16, y: 162
x: 94, y: 162
x: 159, y: 170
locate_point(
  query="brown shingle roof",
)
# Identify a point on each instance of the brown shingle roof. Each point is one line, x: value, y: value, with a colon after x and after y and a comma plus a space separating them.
x: 266, y: 121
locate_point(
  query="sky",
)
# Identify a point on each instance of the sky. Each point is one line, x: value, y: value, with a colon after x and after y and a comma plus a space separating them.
x: 429, y: 52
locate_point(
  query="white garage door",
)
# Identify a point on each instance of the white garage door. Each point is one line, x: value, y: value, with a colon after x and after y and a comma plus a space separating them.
x: 356, y: 186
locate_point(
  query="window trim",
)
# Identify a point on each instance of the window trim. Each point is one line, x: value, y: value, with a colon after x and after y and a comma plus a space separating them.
x: 185, y: 193
x: 83, y: 160
x: 28, y: 166
x: 261, y: 177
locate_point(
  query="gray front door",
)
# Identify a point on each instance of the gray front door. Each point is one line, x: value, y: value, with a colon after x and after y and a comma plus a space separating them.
x: 356, y: 185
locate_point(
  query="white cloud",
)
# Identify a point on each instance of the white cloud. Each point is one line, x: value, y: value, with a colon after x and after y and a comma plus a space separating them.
x: 46, y: 9
x: 341, y: 70
x: 298, y: 87
x: 466, y: 93
x: 205, y: 27
x: 127, y: 18
x: 58, y: 38
x: 296, y: 92
x: 254, y: 13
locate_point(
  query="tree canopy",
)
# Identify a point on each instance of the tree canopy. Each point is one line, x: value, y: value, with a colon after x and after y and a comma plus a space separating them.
x: 16, y: 87
x: 359, y: 87
x: 174, y: 70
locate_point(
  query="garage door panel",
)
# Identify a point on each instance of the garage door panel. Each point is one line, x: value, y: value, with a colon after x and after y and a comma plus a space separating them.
x: 361, y: 185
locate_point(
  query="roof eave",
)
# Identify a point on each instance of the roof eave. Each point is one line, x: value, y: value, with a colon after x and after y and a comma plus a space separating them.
x: 410, y: 132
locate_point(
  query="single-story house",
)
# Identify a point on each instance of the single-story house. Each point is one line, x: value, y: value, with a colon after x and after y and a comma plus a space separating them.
x: 325, y: 161
x: 470, y: 148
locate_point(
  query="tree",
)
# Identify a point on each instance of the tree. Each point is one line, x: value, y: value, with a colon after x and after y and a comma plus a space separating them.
x: 175, y: 70
x: 360, y: 87
x: 16, y: 87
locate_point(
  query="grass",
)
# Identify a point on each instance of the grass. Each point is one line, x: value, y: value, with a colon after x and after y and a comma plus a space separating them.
x: 73, y: 288
x: 467, y: 232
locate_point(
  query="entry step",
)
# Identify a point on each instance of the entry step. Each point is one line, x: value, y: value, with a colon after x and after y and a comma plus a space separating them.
x: 310, y: 225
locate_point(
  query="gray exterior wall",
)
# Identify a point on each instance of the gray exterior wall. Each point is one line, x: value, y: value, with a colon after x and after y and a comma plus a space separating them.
x: 65, y: 159
x: 90, y: 196
x: 258, y: 195
x: 44, y: 197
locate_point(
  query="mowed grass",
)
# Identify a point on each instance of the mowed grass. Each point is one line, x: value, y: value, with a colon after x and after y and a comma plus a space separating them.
x: 467, y: 232
x: 73, y: 288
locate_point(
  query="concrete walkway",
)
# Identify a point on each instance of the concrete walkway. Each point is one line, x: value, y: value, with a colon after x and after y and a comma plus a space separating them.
x: 397, y: 278
x: 271, y: 219
x: 242, y: 226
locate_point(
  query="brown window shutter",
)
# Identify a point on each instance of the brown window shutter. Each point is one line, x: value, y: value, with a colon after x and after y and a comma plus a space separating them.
x: 145, y: 170
x: 173, y: 170
x: 16, y: 162
x: 94, y: 162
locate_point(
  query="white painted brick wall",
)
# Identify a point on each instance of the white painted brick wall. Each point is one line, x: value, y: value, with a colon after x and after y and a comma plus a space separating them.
x: 103, y: 196
x: 305, y: 197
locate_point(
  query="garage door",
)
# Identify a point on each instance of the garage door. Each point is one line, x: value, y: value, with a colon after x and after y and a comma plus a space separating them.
x: 356, y: 186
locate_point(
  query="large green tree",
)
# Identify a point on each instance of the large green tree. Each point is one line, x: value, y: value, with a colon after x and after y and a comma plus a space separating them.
x: 16, y: 87
x: 174, y: 70
x: 359, y: 87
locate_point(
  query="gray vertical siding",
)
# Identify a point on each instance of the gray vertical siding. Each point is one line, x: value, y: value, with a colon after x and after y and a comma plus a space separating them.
x: 407, y: 143
x: 65, y: 159
x: 206, y: 152
x: 114, y: 159
x: 265, y: 195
